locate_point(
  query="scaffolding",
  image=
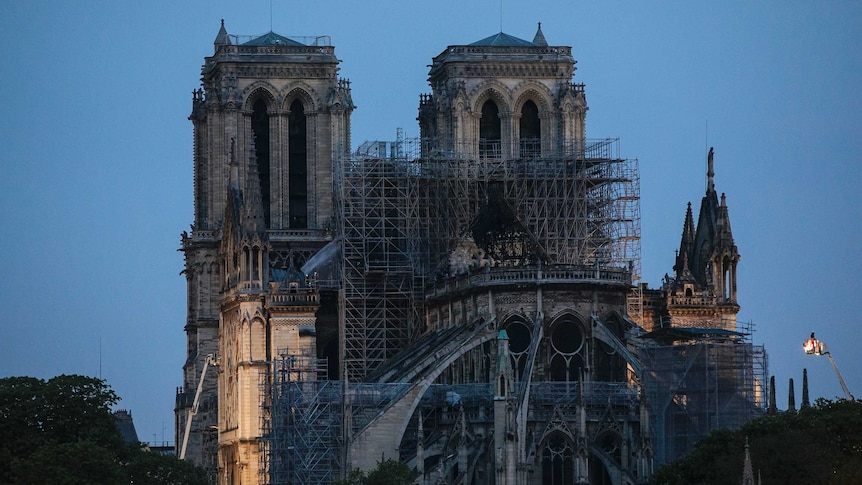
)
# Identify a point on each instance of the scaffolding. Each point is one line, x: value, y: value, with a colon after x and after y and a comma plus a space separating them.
x: 579, y: 205
x: 401, y: 217
x: 695, y: 387
x: 301, y: 422
x: 380, y: 232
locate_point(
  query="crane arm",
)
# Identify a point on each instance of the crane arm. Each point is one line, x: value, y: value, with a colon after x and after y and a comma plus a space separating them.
x: 210, y: 360
x: 840, y: 379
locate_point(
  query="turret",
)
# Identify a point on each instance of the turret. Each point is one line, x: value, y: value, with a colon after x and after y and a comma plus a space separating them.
x: 505, y: 426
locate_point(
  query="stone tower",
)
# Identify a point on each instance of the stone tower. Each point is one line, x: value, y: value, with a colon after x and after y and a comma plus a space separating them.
x: 269, y: 119
x: 526, y: 301
x: 503, y: 97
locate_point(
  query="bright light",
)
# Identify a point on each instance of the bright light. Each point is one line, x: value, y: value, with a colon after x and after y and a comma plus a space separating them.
x: 812, y: 346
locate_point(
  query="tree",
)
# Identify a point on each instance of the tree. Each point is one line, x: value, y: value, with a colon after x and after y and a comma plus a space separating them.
x: 821, y: 444
x: 83, y: 463
x: 149, y: 468
x: 62, y: 431
x: 388, y: 472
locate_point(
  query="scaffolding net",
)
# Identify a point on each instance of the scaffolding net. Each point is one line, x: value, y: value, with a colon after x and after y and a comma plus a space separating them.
x: 696, y: 387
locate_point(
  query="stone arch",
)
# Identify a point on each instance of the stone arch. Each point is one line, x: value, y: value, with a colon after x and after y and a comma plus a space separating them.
x: 567, y: 346
x: 491, y: 90
x: 615, y: 321
x: 535, y: 92
x: 567, y: 313
x: 304, y: 93
x: 242, y: 340
x: 557, y: 452
x: 299, y: 105
x: 610, y: 443
x: 533, y: 118
x: 519, y: 329
x: 257, y: 337
x: 395, y: 422
x: 259, y: 107
x: 260, y: 90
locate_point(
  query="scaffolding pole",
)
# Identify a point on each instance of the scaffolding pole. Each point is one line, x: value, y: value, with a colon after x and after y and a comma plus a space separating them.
x: 301, y: 428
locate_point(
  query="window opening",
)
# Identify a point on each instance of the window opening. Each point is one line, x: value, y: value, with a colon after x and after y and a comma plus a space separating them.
x: 558, y: 463
x: 297, y: 166
x: 260, y: 133
x: 530, y: 131
x: 490, y: 131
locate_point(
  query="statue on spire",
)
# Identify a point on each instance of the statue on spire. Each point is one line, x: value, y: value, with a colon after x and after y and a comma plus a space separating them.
x: 710, y: 172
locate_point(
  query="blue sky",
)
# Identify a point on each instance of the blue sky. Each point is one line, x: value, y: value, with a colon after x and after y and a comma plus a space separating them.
x: 96, y: 157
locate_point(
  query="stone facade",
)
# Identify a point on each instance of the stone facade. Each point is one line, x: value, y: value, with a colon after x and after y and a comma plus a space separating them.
x: 269, y: 119
x: 470, y: 304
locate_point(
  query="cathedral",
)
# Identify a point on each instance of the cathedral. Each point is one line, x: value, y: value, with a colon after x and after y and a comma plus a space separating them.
x: 467, y: 302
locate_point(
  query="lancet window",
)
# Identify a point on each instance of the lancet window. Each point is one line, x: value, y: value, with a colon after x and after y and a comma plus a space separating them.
x: 260, y: 132
x: 490, y: 131
x: 530, y: 129
x: 297, y: 166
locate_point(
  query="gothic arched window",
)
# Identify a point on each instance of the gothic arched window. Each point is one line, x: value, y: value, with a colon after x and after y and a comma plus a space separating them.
x: 558, y: 462
x: 566, y: 352
x: 260, y: 132
x: 490, y: 132
x: 297, y: 167
x: 530, y: 130
x: 519, y: 344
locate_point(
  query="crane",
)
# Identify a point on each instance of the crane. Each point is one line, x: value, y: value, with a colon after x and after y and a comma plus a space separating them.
x: 210, y: 360
x: 812, y: 346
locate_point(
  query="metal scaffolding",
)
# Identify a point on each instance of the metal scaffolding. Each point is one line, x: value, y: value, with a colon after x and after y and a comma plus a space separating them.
x: 301, y: 422
x: 580, y: 206
x: 401, y: 217
x: 696, y: 387
x: 380, y: 229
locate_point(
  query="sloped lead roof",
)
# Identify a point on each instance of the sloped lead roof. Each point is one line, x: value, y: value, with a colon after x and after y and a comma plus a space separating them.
x: 502, y: 39
x: 271, y: 38
x: 539, y: 39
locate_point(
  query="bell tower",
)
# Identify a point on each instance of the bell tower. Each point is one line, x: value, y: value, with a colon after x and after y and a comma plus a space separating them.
x: 504, y: 97
x: 270, y: 119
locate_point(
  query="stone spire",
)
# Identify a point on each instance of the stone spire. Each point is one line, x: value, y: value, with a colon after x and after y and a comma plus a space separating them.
x: 539, y: 39
x: 722, y: 225
x: 505, y: 383
x: 772, y: 409
x: 805, y: 402
x: 234, y: 167
x: 686, y: 247
x: 747, y: 470
x: 791, y: 398
x: 252, y: 213
x: 221, y: 37
x: 710, y: 173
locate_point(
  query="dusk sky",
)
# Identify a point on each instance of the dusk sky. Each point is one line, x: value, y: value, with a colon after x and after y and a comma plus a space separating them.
x: 96, y: 157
